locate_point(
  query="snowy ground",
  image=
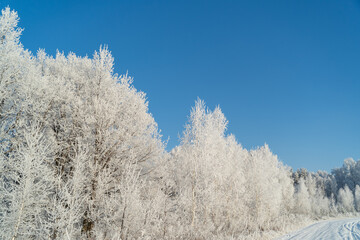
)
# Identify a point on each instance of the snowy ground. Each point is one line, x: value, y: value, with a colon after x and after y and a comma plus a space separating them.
x: 328, y: 230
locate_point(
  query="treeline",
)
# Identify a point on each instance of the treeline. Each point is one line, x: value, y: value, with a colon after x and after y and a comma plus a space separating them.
x: 324, y: 194
x: 82, y: 158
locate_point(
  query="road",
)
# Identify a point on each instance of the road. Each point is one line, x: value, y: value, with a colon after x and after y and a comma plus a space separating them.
x: 328, y: 230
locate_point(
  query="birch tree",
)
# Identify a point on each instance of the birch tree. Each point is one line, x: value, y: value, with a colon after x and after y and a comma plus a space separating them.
x: 99, y: 137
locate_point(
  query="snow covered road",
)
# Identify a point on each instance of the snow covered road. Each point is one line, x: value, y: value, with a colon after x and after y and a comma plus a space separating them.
x: 328, y: 230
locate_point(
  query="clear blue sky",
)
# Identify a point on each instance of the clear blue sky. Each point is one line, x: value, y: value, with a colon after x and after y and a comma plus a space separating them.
x: 284, y: 72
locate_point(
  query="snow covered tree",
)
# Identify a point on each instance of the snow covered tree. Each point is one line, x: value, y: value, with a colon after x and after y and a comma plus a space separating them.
x: 14, y: 66
x: 223, y: 188
x: 345, y: 200
x: 320, y: 204
x: 357, y: 198
x: 27, y: 186
x: 26, y: 177
x: 266, y: 185
x: 302, y: 198
x: 208, y: 175
x: 103, y: 118
x: 99, y: 138
x: 344, y: 175
x: 81, y: 157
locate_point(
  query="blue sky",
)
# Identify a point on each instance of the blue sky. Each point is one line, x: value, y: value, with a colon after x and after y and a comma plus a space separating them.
x: 284, y: 72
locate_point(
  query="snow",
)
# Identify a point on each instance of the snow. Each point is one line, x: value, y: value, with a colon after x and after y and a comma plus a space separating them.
x: 330, y: 229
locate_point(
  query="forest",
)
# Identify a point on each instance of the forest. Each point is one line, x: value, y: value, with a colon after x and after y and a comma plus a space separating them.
x: 81, y: 157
